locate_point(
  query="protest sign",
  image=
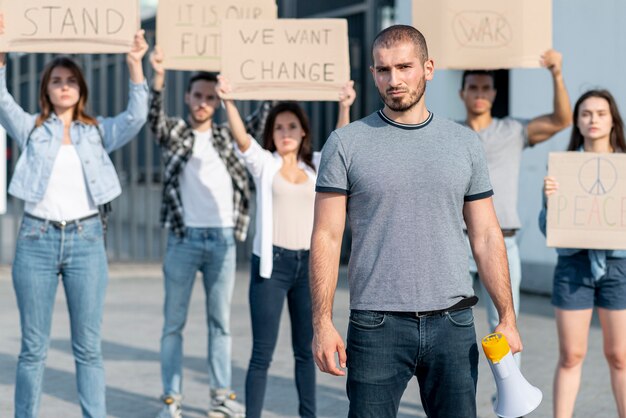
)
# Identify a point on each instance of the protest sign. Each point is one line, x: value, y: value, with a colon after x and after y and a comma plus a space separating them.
x: 69, y: 26
x: 485, y: 34
x: 189, y: 32
x: 286, y: 59
x: 589, y: 208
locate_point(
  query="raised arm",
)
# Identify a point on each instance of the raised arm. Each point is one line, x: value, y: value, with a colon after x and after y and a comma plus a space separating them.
x: 156, y: 115
x: 237, y: 126
x: 490, y: 254
x: 13, y: 118
x: 328, y: 226
x: 543, y: 127
x: 122, y: 128
x: 346, y: 99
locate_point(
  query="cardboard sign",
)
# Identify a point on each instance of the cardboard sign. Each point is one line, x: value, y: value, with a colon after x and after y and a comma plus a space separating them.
x: 589, y: 209
x: 286, y: 59
x: 69, y: 26
x: 189, y: 32
x: 485, y: 34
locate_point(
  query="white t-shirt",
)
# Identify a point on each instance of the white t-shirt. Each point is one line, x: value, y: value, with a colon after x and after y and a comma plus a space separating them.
x: 206, y: 187
x: 66, y: 197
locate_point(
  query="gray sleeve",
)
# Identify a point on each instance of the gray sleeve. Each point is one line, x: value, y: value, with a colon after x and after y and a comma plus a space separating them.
x: 522, y: 126
x: 479, y: 186
x: 333, y: 172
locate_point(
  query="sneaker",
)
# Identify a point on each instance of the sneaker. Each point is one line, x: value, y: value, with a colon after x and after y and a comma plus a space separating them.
x: 172, y: 407
x: 226, y: 406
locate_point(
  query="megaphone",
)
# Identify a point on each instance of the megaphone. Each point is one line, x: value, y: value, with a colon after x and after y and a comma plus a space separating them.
x: 516, y: 397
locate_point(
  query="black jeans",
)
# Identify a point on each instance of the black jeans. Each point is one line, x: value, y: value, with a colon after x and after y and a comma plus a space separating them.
x: 290, y: 280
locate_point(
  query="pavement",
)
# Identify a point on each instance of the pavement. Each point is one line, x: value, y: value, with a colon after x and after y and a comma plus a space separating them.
x: 131, y: 332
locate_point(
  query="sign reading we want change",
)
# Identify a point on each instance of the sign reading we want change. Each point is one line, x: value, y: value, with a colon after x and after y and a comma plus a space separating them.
x: 188, y: 32
x: 286, y: 59
x: 589, y: 209
x: 69, y: 26
x: 485, y: 34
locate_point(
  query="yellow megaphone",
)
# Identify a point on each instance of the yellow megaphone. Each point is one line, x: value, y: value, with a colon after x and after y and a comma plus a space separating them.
x: 516, y: 397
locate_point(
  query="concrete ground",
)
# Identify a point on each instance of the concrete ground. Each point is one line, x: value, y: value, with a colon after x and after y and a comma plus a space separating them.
x: 131, y: 332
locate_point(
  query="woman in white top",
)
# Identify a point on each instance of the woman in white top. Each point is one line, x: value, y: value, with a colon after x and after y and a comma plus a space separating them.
x: 284, y: 172
x: 63, y: 174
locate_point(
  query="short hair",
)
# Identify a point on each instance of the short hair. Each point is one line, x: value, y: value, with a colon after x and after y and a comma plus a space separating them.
x: 468, y: 73
x: 401, y: 33
x: 202, y: 75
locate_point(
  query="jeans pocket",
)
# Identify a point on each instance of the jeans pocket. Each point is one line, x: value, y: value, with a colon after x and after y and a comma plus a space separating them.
x: 31, y: 231
x: 91, y: 231
x: 463, y: 318
x: 367, y: 319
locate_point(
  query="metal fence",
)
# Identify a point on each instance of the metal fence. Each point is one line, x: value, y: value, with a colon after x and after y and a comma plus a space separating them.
x: 134, y: 231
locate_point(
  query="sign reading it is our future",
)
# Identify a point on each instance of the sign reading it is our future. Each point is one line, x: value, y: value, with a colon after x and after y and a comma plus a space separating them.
x: 188, y: 32
x: 69, y: 26
x: 589, y: 208
x: 485, y: 34
x: 286, y: 59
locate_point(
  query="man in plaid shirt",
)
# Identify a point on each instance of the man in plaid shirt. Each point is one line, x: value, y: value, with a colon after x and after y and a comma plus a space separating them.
x: 206, y: 207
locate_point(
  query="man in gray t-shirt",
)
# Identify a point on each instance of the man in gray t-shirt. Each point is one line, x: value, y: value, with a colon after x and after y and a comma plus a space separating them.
x: 503, y: 141
x: 408, y: 182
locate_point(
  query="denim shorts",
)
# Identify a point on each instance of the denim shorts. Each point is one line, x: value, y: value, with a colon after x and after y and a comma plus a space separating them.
x: 575, y: 288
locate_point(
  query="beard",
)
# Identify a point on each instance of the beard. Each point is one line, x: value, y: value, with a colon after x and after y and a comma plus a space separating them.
x: 201, y: 119
x: 407, y: 102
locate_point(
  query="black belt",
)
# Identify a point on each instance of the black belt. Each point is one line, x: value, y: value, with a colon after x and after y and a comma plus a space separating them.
x: 462, y: 304
x: 509, y: 232
x: 61, y: 224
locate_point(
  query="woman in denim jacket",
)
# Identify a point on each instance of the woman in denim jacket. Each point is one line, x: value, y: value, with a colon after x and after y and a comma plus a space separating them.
x: 63, y: 174
x: 587, y: 278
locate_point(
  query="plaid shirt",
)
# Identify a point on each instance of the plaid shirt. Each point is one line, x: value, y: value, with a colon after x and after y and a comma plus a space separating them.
x: 175, y: 137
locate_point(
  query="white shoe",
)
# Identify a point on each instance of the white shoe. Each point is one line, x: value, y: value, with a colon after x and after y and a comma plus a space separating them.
x: 172, y: 407
x: 225, y: 406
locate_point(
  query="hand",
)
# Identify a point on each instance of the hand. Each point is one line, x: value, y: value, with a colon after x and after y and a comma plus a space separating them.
x: 223, y: 87
x: 327, y: 342
x: 138, y: 49
x: 347, y: 94
x: 550, y: 186
x: 553, y: 61
x: 511, y: 334
x: 156, y: 60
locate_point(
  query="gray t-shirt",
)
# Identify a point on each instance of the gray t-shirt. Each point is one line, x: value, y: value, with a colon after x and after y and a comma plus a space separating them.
x: 406, y: 187
x: 503, y: 141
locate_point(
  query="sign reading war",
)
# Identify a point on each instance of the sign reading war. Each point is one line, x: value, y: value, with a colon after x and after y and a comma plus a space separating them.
x: 589, y: 209
x: 485, y: 34
x: 188, y: 31
x: 69, y: 26
x: 286, y: 59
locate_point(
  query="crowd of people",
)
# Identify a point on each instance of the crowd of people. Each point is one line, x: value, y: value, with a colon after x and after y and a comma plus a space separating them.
x: 420, y: 193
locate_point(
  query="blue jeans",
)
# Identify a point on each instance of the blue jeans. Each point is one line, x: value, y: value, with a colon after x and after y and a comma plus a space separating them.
x: 212, y: 252
x: 76, y: 254
x: 290, y: 280
x: 386, y: 349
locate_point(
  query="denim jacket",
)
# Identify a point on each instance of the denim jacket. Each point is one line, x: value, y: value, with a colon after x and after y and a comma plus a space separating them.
x: 38, y: 153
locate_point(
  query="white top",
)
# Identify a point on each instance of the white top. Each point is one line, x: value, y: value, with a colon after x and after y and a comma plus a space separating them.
x: 293, y: 212
x: 206, y: 188
x: 66, y: 197
x: 263, y: 165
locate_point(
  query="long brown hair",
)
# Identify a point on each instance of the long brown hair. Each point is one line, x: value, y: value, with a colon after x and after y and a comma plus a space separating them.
x: 44, y: 101
x: 305, y: 153
x: 617, y: 132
